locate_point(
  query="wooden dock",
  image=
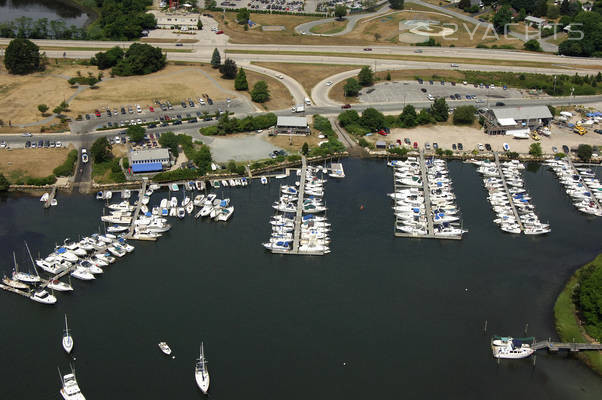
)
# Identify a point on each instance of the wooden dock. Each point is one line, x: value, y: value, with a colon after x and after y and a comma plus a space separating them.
x: 572, y: 347
x: 503, y: 178
x: 17, y: 291
x: 593, y: 198
x: 137, y: 210
x: 58, y: 276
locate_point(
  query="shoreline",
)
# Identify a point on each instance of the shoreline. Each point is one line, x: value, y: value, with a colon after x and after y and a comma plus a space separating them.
x: 92, y: 13
x: 567, y: 323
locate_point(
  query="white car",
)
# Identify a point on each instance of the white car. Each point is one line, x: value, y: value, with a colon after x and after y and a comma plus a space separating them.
x: 27, y: 134
x: 492, y: 86
x: 58, y: 145
x: 138, y: 108
x: 465, y: 83
x: 214, y: 29
x: 117, y: 140
x: 280, y: 76
x: 201, y: 101
x: 139, y: 121
x: 481, y: 147
x: 329, y: 83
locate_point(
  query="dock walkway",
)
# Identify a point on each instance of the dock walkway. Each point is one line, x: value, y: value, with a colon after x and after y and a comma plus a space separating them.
x: 137, y: 210
x: 572, y: 347
x: 58, y: 276
x: 503, y: 178
x: 593, y: 198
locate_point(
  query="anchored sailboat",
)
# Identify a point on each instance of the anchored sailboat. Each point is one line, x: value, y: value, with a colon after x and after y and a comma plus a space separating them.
x: 201, y: 374
x: 67, y: 338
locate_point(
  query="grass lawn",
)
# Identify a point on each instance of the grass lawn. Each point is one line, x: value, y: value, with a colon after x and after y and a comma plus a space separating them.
x: 17, y: 164
x: 568, y: 325
x: 330, y: 27
x: 308, y: 75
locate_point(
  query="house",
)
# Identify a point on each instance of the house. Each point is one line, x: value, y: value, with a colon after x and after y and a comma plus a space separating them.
x: 149, y: 160
x: 292, y: 126
x: 535, y: 22
x: 516, y: 120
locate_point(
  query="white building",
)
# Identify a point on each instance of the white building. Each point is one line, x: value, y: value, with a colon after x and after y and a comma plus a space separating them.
x: 292, y: 126
x: 515, y: 120
x: 185, y: 22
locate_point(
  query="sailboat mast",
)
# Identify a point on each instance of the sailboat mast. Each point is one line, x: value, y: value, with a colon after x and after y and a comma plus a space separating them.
x: 31, y: 258
x: 61, y: 376
x: 66, y: 326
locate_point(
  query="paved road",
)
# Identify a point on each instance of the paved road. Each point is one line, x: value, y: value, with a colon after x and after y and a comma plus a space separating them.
x: 294, y: 87
x: 352, y: 20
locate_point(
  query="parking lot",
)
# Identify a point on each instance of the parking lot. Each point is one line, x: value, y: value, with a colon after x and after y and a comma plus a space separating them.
x: 412, y: 91
x: 276, y: 5
x: 162, y: 113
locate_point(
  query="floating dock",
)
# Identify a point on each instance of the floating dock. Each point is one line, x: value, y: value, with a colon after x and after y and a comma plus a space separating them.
x: 14, y: 290
x: 130, y: 234
x: 593, y: 198
x: 508, y: 195
x: 427, y: 207
x: 572, y: 347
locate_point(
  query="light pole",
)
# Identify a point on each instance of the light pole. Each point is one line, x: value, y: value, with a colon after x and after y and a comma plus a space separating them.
x: 554, y: 85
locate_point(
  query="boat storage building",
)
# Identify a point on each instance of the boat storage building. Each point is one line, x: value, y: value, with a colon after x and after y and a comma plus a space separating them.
x: 292, y: 126
x: 516, y: 120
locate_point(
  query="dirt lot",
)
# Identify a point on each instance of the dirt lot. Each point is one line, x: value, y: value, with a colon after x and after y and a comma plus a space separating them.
x: 293, y: 143
x: 36, y: 163
x: 308, y: 75
x: 330, y: 27
x: 470, y: 137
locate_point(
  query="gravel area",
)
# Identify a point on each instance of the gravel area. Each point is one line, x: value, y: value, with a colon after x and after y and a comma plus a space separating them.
x: 242, y: 147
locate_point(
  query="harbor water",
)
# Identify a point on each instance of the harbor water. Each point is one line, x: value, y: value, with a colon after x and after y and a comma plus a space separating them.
x: 379, y: 317
x: 64, y: 10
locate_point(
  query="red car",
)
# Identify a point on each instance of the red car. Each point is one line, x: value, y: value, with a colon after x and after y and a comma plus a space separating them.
x: 97, y: 113
x: 219, y: 32
x: 346, y: 106
x: 167, y: 118
x: 415, y: 145
x: 151, y: 109
x: 382, y: 132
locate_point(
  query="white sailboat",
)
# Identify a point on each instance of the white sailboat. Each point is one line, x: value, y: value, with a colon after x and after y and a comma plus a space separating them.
x: 201, y: 374
x: 24, y: 276
x: 67, y: 338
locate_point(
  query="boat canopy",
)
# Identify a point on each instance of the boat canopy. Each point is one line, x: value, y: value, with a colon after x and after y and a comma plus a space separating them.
x: 147, y: 167
x: 61, y: 250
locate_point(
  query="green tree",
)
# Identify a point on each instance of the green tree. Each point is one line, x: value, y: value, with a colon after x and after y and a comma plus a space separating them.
x: 216, y: 59
x: 135, y: 133
x: 502, y: 18
x: 243, y: 15
x: 170, y: 141
x: 464, y: 115
x: 340, y: 11
x: 408, y: 117
x: 199, y: 25
x: 553, y: 12
x: 42, y: 108
x: 535, y: 149
x: 305, y: 148
x: 100, y: 150
x: 585, y: 151
x: 366, y: 76
x: 260, y: 92
x: 4, y: 183
x: 589, y: 298
x: 440, y: 110
x: 372, y: 119
x: 228, y: 69
x: 240, y: 83
x: 108, y: 59
x: 22, y: 57
x: 388, y: 77
x: 140, y: 59
x: 541, y: 8
x: 351, y: 87
x: 396, y: 4
x: 520, y: 17
x: 464, y: 4
x: 424, y: 117
x: 532, y: 45
x: 58, y: 110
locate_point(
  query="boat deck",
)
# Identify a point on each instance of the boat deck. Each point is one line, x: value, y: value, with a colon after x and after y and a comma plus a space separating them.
x: 508, y: 195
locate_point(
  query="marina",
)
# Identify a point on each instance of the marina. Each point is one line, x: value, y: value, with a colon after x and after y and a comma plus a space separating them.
x: 581, y: 185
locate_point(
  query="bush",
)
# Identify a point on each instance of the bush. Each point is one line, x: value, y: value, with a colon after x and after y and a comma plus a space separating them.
x: 399, y: 151
x: 4, y: 183
x: 363, y: 142
x: 535, y: 149
x: 66, y: 168
x: 176, y: 175
x: 584, y: 152
x: 464, y: 115
x: 532, y: 45
x: 22, y: 57
x: 49, y: 180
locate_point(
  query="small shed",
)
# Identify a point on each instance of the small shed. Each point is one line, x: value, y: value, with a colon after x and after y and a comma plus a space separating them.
x: 381, y: 144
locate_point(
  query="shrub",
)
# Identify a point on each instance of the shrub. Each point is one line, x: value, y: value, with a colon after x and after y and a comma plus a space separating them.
x: 464, y: 115
x: 66, y: 168
x: 49, y: 180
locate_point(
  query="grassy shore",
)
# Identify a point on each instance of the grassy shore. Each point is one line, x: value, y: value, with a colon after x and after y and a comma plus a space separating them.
x: 568, y: 325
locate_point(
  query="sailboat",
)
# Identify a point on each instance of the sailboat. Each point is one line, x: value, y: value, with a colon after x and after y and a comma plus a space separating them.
x: 67, y: 338
x: 201, y: 374
x: 24, y: 276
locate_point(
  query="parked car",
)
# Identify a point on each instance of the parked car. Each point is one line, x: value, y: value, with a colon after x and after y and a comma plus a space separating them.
x: 487, y: 146
x: 219, y: 32
x: 565, y: 149
x: 480, y: 147
x: 87, y: 116
x: 427, y: 146
x: 151, y: 109
x: 416, y: 145
x: 454, y: 147
x: 423, y: 90
x: 183, y: 104
x: 435, y: 145
x: 367, y: 49
x: 407, y: 141
x: 28, y: 144
x: 460, y: 146
x: 346, y: 106
x: 97, y: 113
x: 500, y: 104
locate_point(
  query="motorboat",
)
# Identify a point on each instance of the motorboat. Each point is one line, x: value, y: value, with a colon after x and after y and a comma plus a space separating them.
x: 165, y: 348
x: 507, y: 347
x: 281, y: 245
x: 42, y: 296
x: 70, y: 389
x: 82, y: 273
x: 181, y: 212
x: 264, y: 180
x: 67, y: 338
x: 117, y: 228
x: 126, y: 194
x: 225, y: 214
x: 201, y: 373
x: 59, y: 286
x: 44, y: 197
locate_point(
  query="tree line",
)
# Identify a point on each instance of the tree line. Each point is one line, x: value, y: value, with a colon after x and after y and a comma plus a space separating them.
x: 43, y: 28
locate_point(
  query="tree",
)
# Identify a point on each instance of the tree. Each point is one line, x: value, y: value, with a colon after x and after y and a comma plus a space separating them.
x: 564, y: 7
x: 305, y: 148
x: 109, y: 58
x: 42, y: 108
x: 440, y: 110
x: 260, y: 92
x: 585, y: 151
x: 4, y: 183
x: 170, y: 141
x: 408, y: 117
x: 502, y: 18
x: 464, y: 115
x: 396, y: 4
x: 240, y: 83
x: 351, y: 88
x: 372, y: 119
x: 388, y: 77
x: 366, y: 76
x: 522, y: 13
x: 464, y: 4
x: 553, y: 12
x: 535, y: 149
x: 216, y: 59
x: 340, y: 11
x: 243, y: 15
x: 199, y: 25
x: 135, y: 133
x: 100, y: 150
x: 532, y: 45
x: 57, y: 110
x: 541, y: 8
x: 22, y: 57
x: 140, y: 59
x: 424, y: 117
x: 228, y: 69
x: 588, y: 297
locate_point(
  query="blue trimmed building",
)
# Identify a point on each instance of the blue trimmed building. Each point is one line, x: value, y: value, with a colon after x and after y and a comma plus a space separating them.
x: 149, y: 161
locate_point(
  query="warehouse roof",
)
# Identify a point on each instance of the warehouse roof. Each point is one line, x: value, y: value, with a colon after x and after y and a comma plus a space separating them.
x: 150, y: 154
x: 297, y: 122
x: 517, y: 113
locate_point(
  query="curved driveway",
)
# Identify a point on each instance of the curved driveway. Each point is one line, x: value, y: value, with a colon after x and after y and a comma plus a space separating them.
x: 352, y: 20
